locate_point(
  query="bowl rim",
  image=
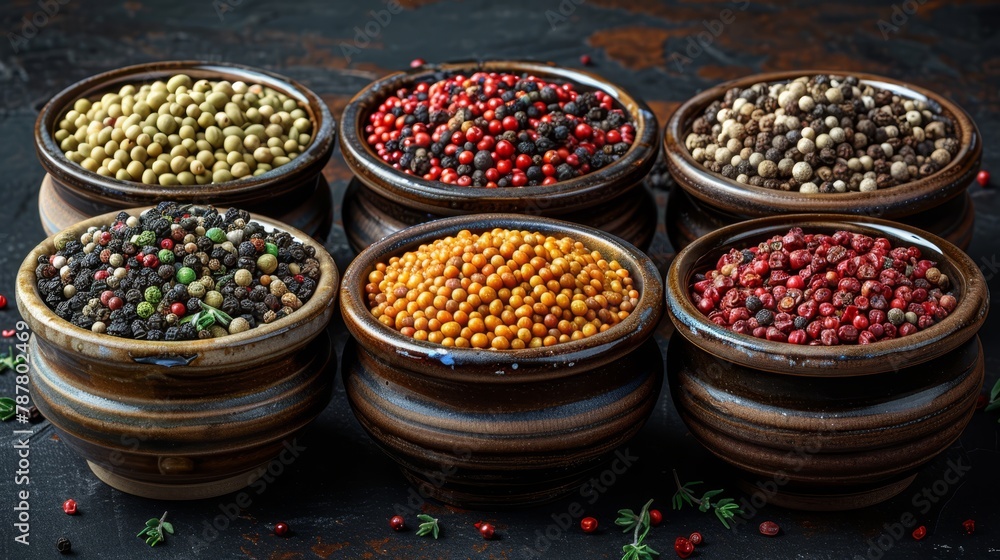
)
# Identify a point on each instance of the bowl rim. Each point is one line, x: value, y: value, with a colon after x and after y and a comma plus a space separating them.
x: 112, y: 190
x: 37, y: 314
x: 746, y: 199
x: 415, y: 191
x: 500, y: 366
x: 821, y: 361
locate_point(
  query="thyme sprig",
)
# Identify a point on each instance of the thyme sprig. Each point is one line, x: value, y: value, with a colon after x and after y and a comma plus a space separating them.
x: 153, y: 531
x: 725, y: 509
x: 639, y: 524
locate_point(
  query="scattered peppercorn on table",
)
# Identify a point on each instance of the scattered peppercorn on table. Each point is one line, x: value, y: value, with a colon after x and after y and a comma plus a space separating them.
x: 331, y: 493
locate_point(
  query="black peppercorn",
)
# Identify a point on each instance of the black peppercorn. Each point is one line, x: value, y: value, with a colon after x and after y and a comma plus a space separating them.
x: 64, y: 546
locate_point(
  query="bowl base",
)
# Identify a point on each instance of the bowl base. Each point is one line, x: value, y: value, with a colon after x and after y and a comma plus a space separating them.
x: 157, y: 491
x: 687, y: 219
x: 369, y: 216
x: 313, y: 216
x: 830, y: 498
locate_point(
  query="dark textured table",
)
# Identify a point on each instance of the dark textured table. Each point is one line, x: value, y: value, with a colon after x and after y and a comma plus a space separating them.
x: 338, y: 494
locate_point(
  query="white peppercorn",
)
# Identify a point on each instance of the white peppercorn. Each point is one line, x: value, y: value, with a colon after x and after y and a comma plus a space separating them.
x: 868, y: 185
x: 802, y: 172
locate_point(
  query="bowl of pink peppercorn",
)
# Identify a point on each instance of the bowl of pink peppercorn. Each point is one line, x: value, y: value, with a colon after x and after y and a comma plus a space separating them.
x: 830, y: 355
x: 498, y: 136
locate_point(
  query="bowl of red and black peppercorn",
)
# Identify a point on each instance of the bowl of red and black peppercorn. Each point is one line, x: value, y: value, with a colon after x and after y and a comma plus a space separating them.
x: 835, y: 353
x: 497, y: 136
x: 821, y: 141
x: 179, y: 349
x: 191, y: 131
x: 501, y: 358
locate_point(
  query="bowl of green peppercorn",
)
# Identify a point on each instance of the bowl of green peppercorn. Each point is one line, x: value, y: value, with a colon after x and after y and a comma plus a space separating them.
x: 190, y: 131
x: 178, y: 349
x: 478, y: 137
x: 809, y: 141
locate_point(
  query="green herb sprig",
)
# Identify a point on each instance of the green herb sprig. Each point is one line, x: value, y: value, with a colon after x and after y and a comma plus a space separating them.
x: 7, y: 408
x: 639, y: 524
x: 429, y: 526
x: 9, y: 361
x: 994, y: 399
x: 153, y: 531
x: 207, y: 317
x: 725, y: 509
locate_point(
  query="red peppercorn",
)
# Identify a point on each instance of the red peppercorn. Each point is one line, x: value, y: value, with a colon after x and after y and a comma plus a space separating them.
x: 115, y: 303
x: 417, y: 63
x: 178, y: 309
x: 919, y: 533
x: 695, y: 538
x: 981, y: 402
x: 655, y: 517
x: 281, y: 529
x: 769, y: 528
x: 983, y: 178
x: 585, y: 59
x: 69, y: 506
x: 486, y: 530
x: 683, y: 547
x: 397, y: 522
x: 970, y: 526
x: 588, y: 524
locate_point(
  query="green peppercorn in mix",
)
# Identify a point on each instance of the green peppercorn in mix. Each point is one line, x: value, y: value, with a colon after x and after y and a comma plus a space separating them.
x: 501, y: 289
x: 185, y: 132
x: 177, y: 273
x: 821, y: 134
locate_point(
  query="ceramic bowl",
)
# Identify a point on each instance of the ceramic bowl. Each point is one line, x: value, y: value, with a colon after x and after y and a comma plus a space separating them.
x: 938, y: 203
x: 295, y: 193
x: 386, y: 198
x: 485, y: 429
x: 180, y: 420
x: 867, y: 416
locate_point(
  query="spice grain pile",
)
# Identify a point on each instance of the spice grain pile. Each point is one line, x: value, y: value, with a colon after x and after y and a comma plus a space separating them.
x: 502, y: 289
x: 498, y: 130
x: 821, y: 134
x: 177, y: 273
x: 817, y: 289
x: 182, y: 132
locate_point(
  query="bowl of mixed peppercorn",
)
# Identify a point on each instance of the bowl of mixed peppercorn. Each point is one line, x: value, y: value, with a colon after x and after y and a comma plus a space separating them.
x: 812, y: 141
x: 500, y: 358
x: 497, y: 136
x: 189, y: 131
x: 836, y: 354
x: 179, y: 349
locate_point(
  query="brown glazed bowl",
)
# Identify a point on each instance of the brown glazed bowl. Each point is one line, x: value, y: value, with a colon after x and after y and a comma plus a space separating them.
x: 705, y: 201
x: 180, y: 420
x: 837, y: 427
x: 383, y: 199
x: 295, y: 193
x: 486, y: 429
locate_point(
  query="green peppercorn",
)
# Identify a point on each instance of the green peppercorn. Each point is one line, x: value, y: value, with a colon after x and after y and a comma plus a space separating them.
x: 267, y: 263
x: 196, y: 289
x: 63, y: 238
x: 186, y: 275
x: 166, y: 256
x: 145, y: 238
x: 145, y: 309
x: 153, y: 295
x: 216, y: 235
x: 271, y: 249
x: 213, y: 299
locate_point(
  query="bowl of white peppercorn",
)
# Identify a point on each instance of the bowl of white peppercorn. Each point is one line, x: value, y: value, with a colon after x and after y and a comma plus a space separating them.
x: 821, y: 141
x: 189, y: 131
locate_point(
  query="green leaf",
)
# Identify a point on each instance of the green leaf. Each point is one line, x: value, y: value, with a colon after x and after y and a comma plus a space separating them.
x: 153, y: 522
x: 168, y: 527
x: 711, y: 494
x: 428, y: 527
x: 995, y: 392
x: 992, y: 406
x: 7, y: 408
